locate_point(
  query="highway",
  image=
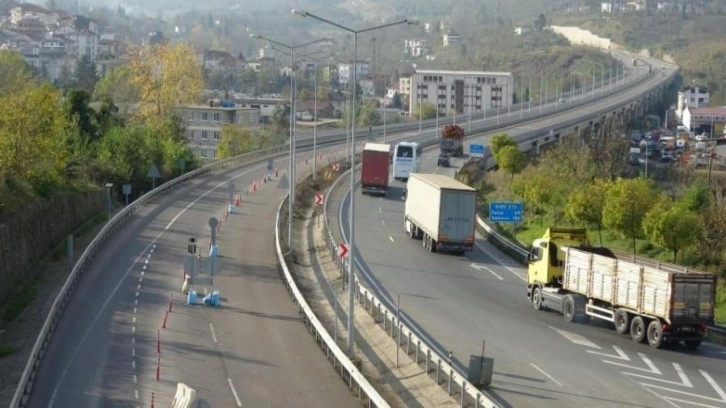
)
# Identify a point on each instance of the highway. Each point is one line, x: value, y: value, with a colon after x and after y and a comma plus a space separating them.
x: 540, y: 360
x: 252, y: 351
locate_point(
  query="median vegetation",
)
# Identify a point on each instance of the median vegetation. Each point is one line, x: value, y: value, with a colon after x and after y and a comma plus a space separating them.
x: 679, y: 217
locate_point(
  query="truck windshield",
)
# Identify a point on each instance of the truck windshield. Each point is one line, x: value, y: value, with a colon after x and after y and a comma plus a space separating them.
x: 404, y: 151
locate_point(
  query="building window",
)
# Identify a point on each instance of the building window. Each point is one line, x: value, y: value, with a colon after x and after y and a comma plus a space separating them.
x: 204, y: 135
x: 203, y: 153
x: 216, y: 117
x: 190, y: 134
x: 214, y: 154
x: 204, y: 115
x: 215, y: 135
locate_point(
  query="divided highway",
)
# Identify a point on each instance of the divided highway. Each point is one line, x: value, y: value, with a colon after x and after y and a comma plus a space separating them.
x: 251, y: 352
x: 540, y: 360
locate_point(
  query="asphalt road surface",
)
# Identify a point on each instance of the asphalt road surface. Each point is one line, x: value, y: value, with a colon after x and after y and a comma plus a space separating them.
x: 252, y: 351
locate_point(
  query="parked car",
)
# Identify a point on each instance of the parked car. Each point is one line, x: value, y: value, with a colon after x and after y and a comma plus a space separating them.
x: 666, y: 156
x: 443, y: 160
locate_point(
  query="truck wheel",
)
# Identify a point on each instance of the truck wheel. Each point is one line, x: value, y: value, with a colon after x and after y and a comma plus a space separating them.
x: 568, y: 309
x: 655, y: 334
x: 622, y: 321
x: 637, y: 329
x: 537, y: 298
x: 692, y: 344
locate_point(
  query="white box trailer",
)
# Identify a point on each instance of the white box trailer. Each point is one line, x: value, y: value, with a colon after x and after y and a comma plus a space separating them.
x: 441, y: 212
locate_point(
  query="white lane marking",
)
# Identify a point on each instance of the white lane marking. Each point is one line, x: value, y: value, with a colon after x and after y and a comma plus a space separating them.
x: 142, y: 274
x: 136, y: 394
x: 515, y: 273
x: 133, y: 364
x: 652, y: 369
x: 715, y: 386
x: 480, y: 267
x: 621, y: 354
x: 553, y: 379
x: 391, y: 238
x: 214, y: 336
x: 685, y: 382
x: 133, y: 340
x: 146, y: 261
x: 134, y: 319
x: 125, y: 275
x: 134, y: 310
x: 690, y: 394
x: 383, y: 222
x: 136, y: 380
x: 137, y: 293
x: 234, y: 392
x: 133, y: 329
x: 133, y: 352
x: 141, y: 279
x: 576, y: 338
x: 143, y: 267
x: 380, y: 210
x: 495, y: 274
x: 138, y: 287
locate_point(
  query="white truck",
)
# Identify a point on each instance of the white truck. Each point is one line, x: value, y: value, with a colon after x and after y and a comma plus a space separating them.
x: 654, y: 302
x: 441, y: 212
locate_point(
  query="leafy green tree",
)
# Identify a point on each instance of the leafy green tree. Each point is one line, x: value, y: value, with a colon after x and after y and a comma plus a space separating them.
x: 396, y: 101
x: 108, y: 116
x: 80, y: 112
x: 695, y: 198
x: 235, y: 140
x: 15, y: 74
x: 711, y: 245
x: 586, y: 205
x: 368, y: 115
x: 540, y: 22
x: 425, y: 110
x: 674, y: 229
x: 118, y: 86
x: 86, y: 76
x: 626, y: 203
x: 511, y: 159
x: 499, y: 141
x: 33, y: 137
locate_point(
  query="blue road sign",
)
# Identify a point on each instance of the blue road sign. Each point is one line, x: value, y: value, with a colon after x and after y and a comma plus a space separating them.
x: 505, y: 212
x: 476, y: 150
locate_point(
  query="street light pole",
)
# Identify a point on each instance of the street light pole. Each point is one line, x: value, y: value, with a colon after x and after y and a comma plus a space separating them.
x: 291, y: 160
x: 351, y: 238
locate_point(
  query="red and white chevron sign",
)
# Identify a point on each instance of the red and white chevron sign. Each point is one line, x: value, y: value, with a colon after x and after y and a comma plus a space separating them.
x: 342, y: 250
x: 318, y: 198
x: 336, y: 167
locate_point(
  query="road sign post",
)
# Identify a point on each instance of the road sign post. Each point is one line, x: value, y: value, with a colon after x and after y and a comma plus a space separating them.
x: 126, y: 189
x: 342, y: 250
x: 213, y: 222
x: 477, y: 150
x: 505, y: 212
x: 153, y: 174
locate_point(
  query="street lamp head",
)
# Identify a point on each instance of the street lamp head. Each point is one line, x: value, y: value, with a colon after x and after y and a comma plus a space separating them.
x: 301, y: 13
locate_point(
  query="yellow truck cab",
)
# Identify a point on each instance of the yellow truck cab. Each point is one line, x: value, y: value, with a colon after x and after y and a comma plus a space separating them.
x: 546, y: 257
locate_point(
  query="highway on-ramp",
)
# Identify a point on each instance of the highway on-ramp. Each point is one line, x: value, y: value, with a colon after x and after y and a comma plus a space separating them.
x: 252, y: 351
x: 540, y: 360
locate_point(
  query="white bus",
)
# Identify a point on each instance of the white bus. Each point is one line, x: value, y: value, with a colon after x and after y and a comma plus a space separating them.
x: 406, y: 159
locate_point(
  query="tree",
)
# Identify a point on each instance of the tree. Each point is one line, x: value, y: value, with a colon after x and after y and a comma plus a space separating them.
x: 235, y: 140
x: 368, y: 115
x: 541, y: 22
x: 511, y: 159
x: 711, y: 244
x: 425, y: 110
x: 674, y: 229
x: 85, y: 77
x: 34, y: 132
x: 626, y: 203
x: 586, y: 205
x: 117, y: 85
x: 695, y: 198
x: 15, y: 74
x: 396, y: 101
x: 80, y: 112
x: 167, y: 74
x: 499, y: 141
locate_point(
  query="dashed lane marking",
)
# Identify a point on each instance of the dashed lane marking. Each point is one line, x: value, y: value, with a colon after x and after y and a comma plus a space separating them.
x: 553, y: 379
x: 234, y: 392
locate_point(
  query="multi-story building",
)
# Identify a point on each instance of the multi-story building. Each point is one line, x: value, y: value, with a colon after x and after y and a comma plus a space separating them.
x: 345, y: 71
x: 693, y: 96
x: 415, y: 47
x: 83, y: 43
x: 404, y: 86
x: 451, y: 38
x: 705, y: 120
x: 203, y: 124
x: 460, y: 92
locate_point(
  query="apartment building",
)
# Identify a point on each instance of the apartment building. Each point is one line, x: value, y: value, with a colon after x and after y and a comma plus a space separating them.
x: 460, y: 92
x: 203, y: 124
x: 692, y: 96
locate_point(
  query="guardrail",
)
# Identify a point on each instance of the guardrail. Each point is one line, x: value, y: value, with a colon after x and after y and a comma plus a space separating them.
x: 35, y: 359
x: 400, y: 328
x: 322, y: 336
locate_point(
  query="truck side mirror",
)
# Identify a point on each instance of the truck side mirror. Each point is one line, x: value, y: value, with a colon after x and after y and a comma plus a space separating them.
x: 404, y: 194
